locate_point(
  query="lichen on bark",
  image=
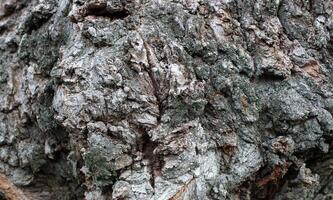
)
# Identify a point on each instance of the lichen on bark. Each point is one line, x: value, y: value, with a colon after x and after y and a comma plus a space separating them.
x: 166, y: 99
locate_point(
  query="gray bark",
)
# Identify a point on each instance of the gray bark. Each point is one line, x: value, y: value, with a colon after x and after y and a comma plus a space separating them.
x: 166, y: 99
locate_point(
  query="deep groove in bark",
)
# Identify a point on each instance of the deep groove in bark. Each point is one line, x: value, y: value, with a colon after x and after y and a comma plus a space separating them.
x: 102, y: 10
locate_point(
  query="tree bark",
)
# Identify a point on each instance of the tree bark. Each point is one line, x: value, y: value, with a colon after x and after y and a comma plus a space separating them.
x: 166, y: 99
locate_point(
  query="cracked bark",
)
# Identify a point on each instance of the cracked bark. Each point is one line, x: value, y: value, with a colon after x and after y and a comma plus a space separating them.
x: 138, y: 99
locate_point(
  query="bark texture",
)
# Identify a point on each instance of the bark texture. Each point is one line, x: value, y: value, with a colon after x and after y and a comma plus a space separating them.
x: 166, y: 99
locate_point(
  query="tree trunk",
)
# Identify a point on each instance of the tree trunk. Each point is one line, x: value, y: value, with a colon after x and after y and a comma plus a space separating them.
x: 166, y: 99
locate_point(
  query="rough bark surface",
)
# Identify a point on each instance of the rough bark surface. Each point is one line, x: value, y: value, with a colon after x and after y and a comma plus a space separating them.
x: 166, y: 99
